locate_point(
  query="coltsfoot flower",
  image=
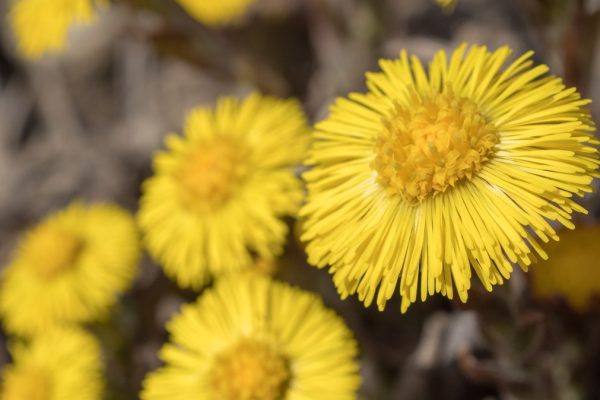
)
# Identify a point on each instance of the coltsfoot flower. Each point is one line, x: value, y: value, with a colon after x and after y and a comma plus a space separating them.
x: 220, y: 191
x: 216, y: 13
x: 251, y: 338
x: 69, y: 269
x: 42, y: 26
x: 571, y: 270
x: 437, y: 173
x: 60, y: 364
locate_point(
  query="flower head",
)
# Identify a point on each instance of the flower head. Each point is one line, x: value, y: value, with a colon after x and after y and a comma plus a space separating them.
x: 42, y: 26
x: 216, y: 13
x: 69, y: 268
x: 435, y: 174
x: 251, y: 338
x: 571, y: 270
x: 58, y: 365
x: 219, y: 191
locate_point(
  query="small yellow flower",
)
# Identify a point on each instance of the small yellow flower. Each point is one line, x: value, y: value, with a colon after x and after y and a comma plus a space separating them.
x: 435, y: 174
x: 42, y: 26
x: 57, y: 365
x: 447, y: 5
x: 216, y: 13
x: 220, y: 191
x: 572, y: 268
x: 69, y: 268
x: 251, y: 338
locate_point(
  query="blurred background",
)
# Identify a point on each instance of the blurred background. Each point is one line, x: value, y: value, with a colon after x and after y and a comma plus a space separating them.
x: 86, y: 123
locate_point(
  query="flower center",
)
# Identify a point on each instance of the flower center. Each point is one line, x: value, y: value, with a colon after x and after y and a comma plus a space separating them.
x: 211, y: 173
x: 20, y: 384
x: 431, y: 145
x: 53, y: 251
x: 250, y: 370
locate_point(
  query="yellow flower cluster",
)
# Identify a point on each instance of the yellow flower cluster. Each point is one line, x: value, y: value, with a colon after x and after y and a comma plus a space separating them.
x: 67, y: 270
x: 42, y: 26
x: 438, y: 173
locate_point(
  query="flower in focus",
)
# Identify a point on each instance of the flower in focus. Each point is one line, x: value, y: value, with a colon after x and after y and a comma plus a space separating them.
x: 69, y: 268
x: 435, y: 174
x: 447, y: 5
x: 58, y: 365
x: 42, y: 26
x: 251, y: 338
x: 571, y: 270
x: 219, y: 192
x: 216, y: 13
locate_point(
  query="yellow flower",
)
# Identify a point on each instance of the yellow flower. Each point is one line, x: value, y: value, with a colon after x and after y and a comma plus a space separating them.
x: 69, y: 268
x: 57, y: 365
x: 219, y: 192
x: 447, y: 5
x: 42, y: 26
x: 432, y: 175
x: 572, y: 268
x: 251, y: 338
x: 216, y: 13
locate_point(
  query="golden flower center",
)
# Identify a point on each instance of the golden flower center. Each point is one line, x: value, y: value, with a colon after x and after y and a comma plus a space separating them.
x: 26, y: 384
x: 211, y: 173
x: 53, y: 251
x: 250, y: 370
x: 431, y: 145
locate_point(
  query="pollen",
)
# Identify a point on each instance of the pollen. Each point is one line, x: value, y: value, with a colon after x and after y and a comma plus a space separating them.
x: 56, y: 251
x: 211, y: 173
x: 431, y: 144
x: 250, y: 370
x: 30, y: 384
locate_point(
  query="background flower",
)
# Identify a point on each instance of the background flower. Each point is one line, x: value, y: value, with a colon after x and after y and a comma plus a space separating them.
x: 216, y: 13
x: 571, y: 270
x: 58, y: 365
x: 254, y: 338
x: 42, y: 26
x: 220, y: 191
x: 70, y: 268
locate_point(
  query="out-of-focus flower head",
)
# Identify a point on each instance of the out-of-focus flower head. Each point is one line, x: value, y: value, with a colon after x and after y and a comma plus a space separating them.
x: 253, y: 338
x: 216, y: 13
x: 69, y: 268
x: 42, y: 26
x: 220, y: 191
x: 434, y: 174
x: 572, y: 269
x: 447, y: 5
x: 60, y: 364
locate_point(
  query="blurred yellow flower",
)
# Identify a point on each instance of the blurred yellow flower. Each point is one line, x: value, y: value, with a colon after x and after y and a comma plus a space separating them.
x: 216, y: 13
x: 57, y: 365
x: 572, y: 268
x: 42, y: 26
x: 432, y: 175
x: 220, y: 190
x: 69, y: 268
x: 447, y: 5
x: 251, y: 338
